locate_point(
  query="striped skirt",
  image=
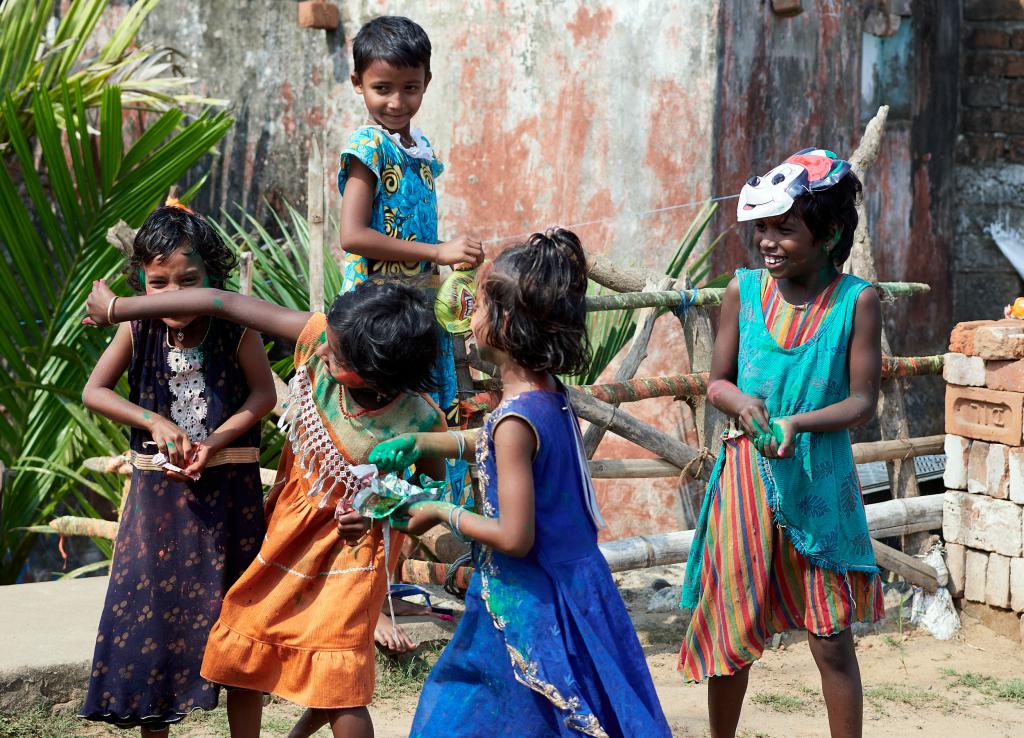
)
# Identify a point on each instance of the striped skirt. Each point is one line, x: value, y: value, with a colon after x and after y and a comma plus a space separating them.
x: 754, y: 583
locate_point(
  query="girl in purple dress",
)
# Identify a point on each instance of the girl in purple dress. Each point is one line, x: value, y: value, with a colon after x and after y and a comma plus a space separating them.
x: 197, y: 389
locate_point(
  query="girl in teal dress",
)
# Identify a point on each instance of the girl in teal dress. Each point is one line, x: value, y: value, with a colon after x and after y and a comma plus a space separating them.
x: 546, y: 647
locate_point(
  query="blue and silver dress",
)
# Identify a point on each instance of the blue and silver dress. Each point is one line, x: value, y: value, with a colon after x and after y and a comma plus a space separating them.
x: 546, y: 647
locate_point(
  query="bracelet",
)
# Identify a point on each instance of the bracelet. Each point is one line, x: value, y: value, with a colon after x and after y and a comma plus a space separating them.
x: 453, y: 524
x: 461, y: 441
x: 110, y: 310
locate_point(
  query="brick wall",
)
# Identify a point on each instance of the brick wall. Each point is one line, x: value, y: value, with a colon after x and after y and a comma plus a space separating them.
x: 992, y: 91
x: 989, y: 158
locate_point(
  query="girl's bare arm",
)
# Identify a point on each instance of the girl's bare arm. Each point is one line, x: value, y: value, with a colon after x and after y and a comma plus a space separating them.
x: 251, y: 312
x: 101, y: 397
x: 722, y: 390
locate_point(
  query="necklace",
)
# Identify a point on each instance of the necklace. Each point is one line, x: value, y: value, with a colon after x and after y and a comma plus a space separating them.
x: 180, y: 335
x: 346, y: 413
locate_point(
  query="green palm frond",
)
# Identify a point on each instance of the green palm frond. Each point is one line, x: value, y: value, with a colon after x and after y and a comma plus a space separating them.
x: 54, y: 215
x: 37, y: 61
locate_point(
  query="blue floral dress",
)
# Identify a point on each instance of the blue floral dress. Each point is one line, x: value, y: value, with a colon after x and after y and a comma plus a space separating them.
x: 546, y: 647
x: 404, y: 207
x: 404, y: 201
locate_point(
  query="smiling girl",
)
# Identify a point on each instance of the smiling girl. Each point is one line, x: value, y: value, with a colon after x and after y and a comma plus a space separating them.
x: 782, y: 541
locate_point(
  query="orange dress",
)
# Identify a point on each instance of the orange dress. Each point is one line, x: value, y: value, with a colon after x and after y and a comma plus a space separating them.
x: 299, y: 622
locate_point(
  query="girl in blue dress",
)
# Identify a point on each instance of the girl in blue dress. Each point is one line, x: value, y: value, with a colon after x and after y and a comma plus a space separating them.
x: 546, y: 647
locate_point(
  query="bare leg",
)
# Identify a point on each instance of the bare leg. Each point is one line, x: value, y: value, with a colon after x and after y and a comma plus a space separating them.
x: 353, y: 722
x: 310, y: 722
x: 840, y: 682
x: 245, y: 713
x: 725, y: 700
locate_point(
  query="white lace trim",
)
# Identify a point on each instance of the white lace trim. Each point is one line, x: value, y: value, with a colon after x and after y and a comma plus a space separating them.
x: 312, y: 445
x: 187, y: 384
x: 420, y: 148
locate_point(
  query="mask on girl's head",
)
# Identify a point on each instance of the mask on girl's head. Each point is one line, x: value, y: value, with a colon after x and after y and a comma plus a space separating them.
x: 807, y: 170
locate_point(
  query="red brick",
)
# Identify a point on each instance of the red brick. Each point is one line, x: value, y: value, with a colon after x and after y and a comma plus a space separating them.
x: 961, y: 340
x: 1014, y: 66
x: 985, y: 414
x: 1015, y: 93
x: 1005, y: 375
x: 1000, y: 342
x: 787, y: 7
x: 972, y: 148
x: 986, y: 93
x: 318, y: 15
x: 1017, y: 40
x: 977, y: 468
x: 993, y: 10
x: 1015, y: 149
x: 988, y: 38
x: 985, y: 63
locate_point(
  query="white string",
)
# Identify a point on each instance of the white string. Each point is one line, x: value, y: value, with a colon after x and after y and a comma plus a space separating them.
x: 613, y: 218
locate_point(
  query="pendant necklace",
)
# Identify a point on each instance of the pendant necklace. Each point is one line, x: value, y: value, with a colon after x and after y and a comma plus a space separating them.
x: 180, y: 335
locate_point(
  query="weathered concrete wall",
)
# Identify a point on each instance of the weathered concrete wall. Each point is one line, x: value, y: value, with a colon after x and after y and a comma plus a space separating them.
x: 544, y: 113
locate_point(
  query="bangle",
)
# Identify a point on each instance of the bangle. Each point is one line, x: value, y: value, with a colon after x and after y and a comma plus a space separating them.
x: 110, y: 310
x: 453, y: 523
x: 461, y: 439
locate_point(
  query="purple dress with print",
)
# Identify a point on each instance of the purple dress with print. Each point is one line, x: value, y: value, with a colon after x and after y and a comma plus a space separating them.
x: 180, y: 546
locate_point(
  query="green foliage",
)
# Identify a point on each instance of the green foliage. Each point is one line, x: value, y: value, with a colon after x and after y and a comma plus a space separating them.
x: 69, y: 173
x: 610, y: 330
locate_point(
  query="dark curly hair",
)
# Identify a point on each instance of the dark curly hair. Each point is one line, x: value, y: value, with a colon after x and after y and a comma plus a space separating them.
x: 169, y: 228
x: 535, y: 298
x: 393, y: 39
x: 826, y: 211
x: 387, y: 334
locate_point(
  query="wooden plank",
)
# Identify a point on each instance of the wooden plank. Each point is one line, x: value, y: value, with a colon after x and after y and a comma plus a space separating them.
x: 909, y: 568
x: 898, y: 448
x: 315, y: 215
x: 634, y: 358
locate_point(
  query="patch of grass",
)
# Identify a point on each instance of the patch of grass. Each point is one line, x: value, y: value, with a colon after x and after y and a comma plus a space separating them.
x: 1008, y: 690
x: 778, y: 701
x: 894, y: 642
x: 911, y: 696
x: 398, y: 677
x: 39, y: 723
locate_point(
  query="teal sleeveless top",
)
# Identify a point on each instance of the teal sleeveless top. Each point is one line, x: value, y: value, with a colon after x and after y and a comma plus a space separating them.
x: 815, y: 495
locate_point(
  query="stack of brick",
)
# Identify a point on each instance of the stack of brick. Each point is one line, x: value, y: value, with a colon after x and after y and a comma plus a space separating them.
x: 983, y: 515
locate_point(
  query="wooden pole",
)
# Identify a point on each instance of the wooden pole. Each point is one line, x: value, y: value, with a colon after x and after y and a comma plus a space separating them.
x: 863, y: 453
x: 245, y: 273
x: 892, y: 418
x: 634, y: 358
x: 642, y: 434
x: 315, y: 216
x: 885, y: 519
x: 888, y: 291
x: 911, y: 569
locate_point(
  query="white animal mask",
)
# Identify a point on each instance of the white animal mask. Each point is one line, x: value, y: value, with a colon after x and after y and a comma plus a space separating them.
x: 807, y: 170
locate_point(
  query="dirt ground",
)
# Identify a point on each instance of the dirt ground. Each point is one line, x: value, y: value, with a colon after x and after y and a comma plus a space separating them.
x: 914, y: 685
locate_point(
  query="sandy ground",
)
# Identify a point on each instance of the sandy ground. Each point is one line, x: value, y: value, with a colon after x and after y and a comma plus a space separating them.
x: 914, y: 685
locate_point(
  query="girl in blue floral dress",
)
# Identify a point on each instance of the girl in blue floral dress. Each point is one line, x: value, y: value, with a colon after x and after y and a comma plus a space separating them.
x: 546, y: 647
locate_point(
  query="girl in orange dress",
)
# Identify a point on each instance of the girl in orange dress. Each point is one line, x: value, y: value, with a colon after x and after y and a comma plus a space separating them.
x: 300, y: 621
